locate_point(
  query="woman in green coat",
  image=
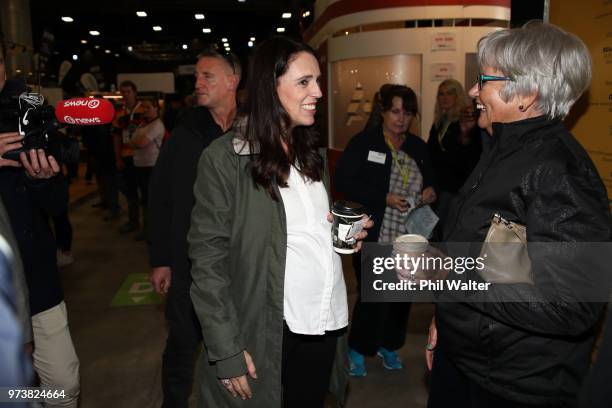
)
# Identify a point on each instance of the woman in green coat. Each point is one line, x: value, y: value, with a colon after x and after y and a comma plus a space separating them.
x: 268, y: 288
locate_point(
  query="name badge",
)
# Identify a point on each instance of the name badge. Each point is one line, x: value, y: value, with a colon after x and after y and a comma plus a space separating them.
x: 377, y: 157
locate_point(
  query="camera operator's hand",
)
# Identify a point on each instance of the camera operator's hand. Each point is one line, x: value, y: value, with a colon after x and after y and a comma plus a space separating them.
x: 38, y: 165
x: 8, y: 142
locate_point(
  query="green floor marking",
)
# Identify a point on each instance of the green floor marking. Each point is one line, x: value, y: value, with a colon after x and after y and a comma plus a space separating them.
x: 137, y: 290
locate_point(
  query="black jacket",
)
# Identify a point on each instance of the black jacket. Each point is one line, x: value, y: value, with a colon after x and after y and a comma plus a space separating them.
x: 171, y: 190
x: 28, y: 204
x: 453, y: 161
x: 596, y: 392
x: 367, y: 182
x: 536, y: 351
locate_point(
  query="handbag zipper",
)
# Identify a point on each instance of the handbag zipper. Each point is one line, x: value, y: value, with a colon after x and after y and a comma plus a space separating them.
x: 498, y: 219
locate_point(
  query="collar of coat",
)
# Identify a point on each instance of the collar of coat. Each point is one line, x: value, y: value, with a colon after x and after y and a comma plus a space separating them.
x: 242, y: 146
x: 513, y: 135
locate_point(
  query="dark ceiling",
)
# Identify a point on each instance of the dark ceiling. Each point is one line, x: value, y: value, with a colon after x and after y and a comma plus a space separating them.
x: 152, y: 51
x: 120, y: 28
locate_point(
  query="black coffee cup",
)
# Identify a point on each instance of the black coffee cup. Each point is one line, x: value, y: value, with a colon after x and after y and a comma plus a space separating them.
x: 348, y: 222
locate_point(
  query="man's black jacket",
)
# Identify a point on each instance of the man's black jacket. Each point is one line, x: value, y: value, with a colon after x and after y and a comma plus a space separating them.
x: 171, y: 190
x: 536, y: 350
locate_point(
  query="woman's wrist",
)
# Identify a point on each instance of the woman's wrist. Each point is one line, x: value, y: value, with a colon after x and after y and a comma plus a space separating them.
x: 231, y: 367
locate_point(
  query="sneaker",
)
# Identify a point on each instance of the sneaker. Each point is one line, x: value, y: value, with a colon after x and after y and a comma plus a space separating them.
x: 391, y: 360
x: 356, y: 364
x: 64, y: 258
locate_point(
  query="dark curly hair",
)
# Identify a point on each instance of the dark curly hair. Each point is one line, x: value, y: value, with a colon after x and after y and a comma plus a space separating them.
x: 267, y: 121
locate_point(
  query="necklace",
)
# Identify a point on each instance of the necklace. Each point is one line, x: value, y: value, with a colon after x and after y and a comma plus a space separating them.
x: 442, y: 133
x: 403, y: 168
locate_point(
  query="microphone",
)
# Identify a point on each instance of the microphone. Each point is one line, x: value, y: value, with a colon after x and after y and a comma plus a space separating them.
x: 84, y: 111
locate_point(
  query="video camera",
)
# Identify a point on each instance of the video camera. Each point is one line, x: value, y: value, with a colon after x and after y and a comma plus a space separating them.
x: 37, y: 123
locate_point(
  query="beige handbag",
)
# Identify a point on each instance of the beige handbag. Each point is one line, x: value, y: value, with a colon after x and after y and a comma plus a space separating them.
x: 505, y: 263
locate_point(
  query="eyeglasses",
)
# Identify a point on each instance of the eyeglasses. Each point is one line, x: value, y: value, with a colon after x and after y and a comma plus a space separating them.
x: 229, y: 58
x: 483, y: 79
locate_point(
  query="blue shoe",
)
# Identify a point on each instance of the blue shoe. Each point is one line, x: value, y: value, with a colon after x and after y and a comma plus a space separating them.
x: 391, y: 360
x: 356, y: 364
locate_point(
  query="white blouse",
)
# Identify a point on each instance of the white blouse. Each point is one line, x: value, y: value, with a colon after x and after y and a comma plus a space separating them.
x: 315, y: 293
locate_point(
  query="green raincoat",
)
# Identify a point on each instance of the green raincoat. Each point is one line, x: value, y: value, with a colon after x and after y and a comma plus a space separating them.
x: 238, y: 245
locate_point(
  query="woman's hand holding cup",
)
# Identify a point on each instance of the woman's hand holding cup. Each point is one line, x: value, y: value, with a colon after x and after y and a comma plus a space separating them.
x: 350, y: 225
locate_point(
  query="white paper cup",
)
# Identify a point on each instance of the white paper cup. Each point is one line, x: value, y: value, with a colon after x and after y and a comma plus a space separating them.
x: 411, y: 246
x: 410, y: 243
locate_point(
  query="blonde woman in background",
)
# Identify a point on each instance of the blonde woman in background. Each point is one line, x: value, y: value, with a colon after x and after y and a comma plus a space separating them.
x: 454, y: 143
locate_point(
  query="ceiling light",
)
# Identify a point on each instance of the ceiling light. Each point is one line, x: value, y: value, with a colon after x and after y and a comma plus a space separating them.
x: 280, y: 30
x: 141, y: 13
x: 185, y: 46
x: 346, y: 33
x: 75, y: 57
x: 94, y: 32
x: 252, y: 39
x: 117, y: 54
x: 130, y: 48
x: 206, y: 30
x: 157, y: 28
x: 224, y: 40
x: 107, y: 51
x: 83, y: 41
x: 306, y: 14
x: 199, y: 16
x: 286, y: 15
x: 250, y: 43
x: 67, y: 19
x: 97, y: 47
x: 241, y: 1
x: 228, y: 49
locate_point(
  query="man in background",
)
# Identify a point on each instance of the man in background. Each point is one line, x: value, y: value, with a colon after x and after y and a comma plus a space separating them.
x: 170, y: 203
x: 126, y: 121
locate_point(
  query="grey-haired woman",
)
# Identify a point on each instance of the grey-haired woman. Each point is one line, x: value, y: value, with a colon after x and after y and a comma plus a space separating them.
x: 524, y: 344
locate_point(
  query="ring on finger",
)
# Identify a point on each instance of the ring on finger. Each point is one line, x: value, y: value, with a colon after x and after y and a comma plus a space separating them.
x: 226, y: 382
